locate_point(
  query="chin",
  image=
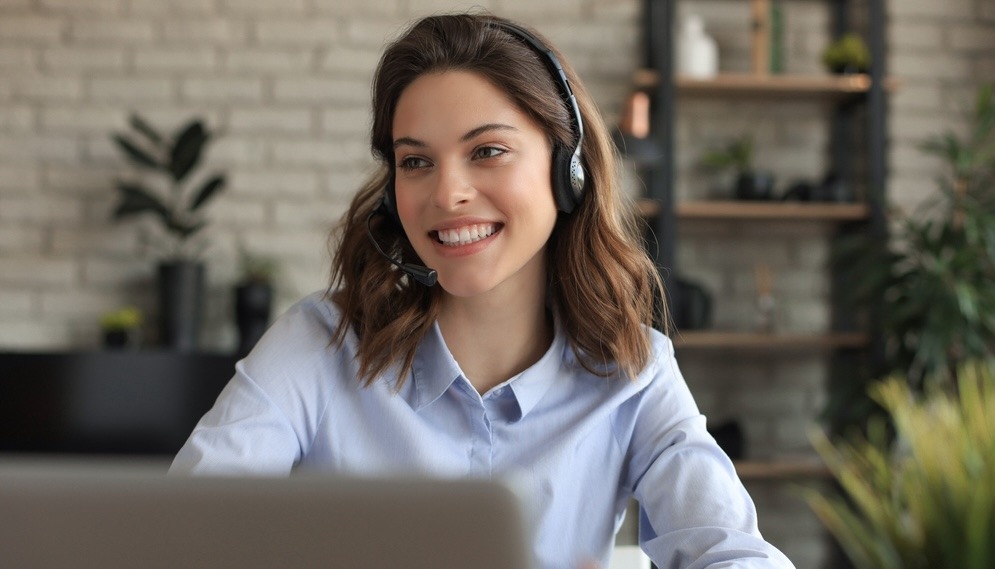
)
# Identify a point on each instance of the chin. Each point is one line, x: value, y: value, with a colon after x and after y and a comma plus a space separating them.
x: 462, y: 287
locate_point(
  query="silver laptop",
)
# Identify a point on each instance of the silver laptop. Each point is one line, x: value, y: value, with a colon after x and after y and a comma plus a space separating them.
x: 123, y: 515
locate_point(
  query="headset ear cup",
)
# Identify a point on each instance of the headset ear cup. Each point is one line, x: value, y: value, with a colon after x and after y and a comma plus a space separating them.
x: 561, y: 181
x: 568, y: 178
x: 577, y: 178
x: 390, y: 199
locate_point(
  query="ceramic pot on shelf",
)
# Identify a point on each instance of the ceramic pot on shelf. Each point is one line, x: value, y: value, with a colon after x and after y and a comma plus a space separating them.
x: 697, y: 52
x: 181, y: 301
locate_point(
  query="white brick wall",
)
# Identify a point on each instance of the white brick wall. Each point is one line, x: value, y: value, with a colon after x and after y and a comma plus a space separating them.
x: 88, y: 30
x: 31, y: 29
x: 945, y: 53
x: 286, y: 85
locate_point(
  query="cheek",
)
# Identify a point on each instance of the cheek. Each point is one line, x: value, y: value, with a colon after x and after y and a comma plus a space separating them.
x: 534, y: 198
x: 529, y: 186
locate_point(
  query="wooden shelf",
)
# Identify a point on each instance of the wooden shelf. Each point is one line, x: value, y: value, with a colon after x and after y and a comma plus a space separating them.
x: 744, y: 210
x: 772, y: 210
x: 761, y: 342
x: 764, y: 86
x: 782, y: 468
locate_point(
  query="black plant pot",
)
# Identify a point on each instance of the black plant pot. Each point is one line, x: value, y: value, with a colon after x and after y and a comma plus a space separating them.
x: 847, y: 69
x: 181, y: 301
x: 118, y: 339
x: 253, y: 303
x: 755, y: 185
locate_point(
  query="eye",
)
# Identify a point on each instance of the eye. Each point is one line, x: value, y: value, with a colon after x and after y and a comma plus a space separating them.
x: 485, y: 152
x: 413, y: 163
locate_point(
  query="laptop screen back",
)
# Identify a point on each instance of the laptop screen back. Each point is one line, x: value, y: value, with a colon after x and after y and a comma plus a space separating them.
x: 58, y: 515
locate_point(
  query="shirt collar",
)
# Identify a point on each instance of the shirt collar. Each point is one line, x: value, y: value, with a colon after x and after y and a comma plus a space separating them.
x: 530, y: 385
x: 434, y: 370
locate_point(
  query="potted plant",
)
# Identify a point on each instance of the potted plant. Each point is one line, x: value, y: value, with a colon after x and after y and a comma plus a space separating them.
x: 929, y: 287
x: 122, y: 328
x: 737, y: 155
x: 177, y: 204
x: 847, y: 54
x: 253, y: 298
x: 927, y: 499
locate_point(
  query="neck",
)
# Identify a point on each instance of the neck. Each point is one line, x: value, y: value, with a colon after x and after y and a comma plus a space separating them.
x: 496, y: 336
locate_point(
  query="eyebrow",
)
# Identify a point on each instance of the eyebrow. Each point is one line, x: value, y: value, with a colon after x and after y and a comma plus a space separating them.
x: 470, y: 135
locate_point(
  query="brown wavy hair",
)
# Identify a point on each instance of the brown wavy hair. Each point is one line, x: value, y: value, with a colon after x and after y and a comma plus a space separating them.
x: 602, y: 283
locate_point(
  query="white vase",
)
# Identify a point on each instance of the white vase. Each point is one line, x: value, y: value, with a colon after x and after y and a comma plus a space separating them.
x: 697, y: 52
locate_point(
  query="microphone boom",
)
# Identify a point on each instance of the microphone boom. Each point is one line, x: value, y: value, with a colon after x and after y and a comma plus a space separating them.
x: 424, y: 275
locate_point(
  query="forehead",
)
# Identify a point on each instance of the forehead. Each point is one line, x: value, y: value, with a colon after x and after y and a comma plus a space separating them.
x: 453, y: 100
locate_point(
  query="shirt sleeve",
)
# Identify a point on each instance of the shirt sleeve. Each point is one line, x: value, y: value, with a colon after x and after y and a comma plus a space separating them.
x: 264, y: 419
x: 694, y: 511
x: 244, y: 433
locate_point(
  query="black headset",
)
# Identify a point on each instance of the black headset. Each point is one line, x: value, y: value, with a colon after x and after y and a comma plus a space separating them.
x: 567, y: 169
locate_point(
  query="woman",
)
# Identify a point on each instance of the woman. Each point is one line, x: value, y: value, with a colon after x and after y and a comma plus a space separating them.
x: 533, y: 357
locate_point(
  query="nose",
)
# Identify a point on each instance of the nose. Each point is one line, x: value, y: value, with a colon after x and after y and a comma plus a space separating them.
x: 452, y: 188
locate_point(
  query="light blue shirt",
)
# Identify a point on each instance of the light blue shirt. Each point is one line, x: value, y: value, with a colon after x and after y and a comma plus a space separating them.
x: 579, y: 446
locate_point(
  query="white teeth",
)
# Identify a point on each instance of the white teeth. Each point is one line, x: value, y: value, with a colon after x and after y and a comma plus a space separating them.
x: 466, y: 234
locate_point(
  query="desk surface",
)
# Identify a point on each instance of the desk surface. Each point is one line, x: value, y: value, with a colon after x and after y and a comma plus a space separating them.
x: 108, y: 403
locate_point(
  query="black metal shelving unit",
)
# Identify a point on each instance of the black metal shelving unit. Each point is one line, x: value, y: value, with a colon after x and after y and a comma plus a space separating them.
x: 659, y: 177
x: 863, y: 115
x: 658, y: 40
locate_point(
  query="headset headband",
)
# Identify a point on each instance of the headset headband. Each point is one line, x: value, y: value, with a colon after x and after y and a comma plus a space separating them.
x: 555, y: 68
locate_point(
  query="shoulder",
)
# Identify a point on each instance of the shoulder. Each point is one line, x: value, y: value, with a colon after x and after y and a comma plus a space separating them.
x: 316, y: 308
x: 660, y: 386
x: 628, y: 395
x: 661, y: 366
x: 661, y: 351
x: 311, y: 319
x: 300, y: 338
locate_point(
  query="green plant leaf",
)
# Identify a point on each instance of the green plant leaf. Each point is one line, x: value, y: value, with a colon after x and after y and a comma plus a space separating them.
x: 136, y: 154
x: 945, y: 146
x: 187, y: 150
x: 136, y: 200
x: 737, y: 154
x: 140, y: 125
x: 208, y: 191
x: 848, y: 51
x: 184, y: 230
x: 984, y: 113
x: 928, y: 500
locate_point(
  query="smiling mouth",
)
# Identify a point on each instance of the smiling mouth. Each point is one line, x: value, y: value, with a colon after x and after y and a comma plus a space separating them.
x: 466, y: 234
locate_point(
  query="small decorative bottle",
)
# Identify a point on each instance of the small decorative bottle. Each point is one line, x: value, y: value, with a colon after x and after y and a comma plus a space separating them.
x: 697, y: 52
x: 765, y: 299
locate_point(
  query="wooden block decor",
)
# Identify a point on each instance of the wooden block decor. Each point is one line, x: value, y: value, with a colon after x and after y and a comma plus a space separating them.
x: 760, y: 18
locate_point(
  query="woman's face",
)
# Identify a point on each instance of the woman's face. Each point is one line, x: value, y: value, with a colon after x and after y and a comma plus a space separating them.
x: 472, y: 184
